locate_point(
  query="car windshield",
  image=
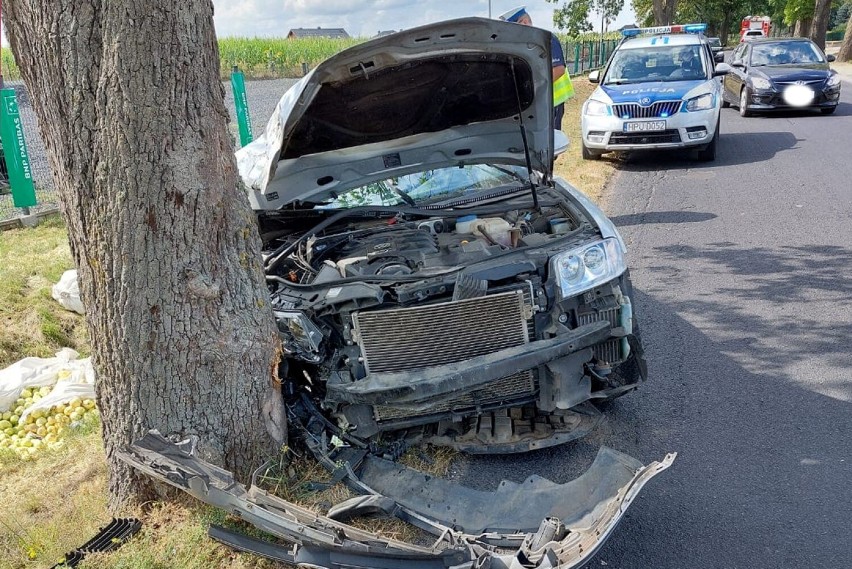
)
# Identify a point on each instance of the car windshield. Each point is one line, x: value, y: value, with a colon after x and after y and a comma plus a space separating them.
x: 655, y: 63
x: 715, y: 42
x: 785, y: 53
x: 430, y: 187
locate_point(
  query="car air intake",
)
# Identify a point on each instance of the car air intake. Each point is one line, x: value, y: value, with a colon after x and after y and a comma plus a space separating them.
x: 404, y: 339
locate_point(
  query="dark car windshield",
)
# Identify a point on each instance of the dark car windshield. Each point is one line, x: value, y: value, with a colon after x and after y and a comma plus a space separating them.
x: 655, y: 63
x: 714, y: 42
x: 785, y: 53
x: 431, y: 186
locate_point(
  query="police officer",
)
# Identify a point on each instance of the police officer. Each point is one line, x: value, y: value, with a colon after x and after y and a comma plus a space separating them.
x: 562, y: 87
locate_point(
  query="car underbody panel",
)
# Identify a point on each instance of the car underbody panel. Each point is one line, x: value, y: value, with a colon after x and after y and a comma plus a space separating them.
x: 536, y: 524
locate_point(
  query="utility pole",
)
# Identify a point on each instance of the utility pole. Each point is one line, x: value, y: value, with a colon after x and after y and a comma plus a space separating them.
x: 489, y: 8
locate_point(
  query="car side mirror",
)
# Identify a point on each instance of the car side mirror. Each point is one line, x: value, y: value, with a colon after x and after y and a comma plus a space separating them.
x: 830, y: 58
x: 595, y: 76
x: 560, y: 143
x: 719, y: 56
x: 721, y: 69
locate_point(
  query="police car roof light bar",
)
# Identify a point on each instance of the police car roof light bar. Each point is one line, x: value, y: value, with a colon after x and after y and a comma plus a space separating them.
x: 661, y: 30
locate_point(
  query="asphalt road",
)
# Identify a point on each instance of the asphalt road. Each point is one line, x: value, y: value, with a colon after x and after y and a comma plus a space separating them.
x: 743, y: 277
x: 742, y: 270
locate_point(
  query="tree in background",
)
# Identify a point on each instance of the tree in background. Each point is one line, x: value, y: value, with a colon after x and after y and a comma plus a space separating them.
x: 845, y: 53
x: 819, y: 25
x: 573, y: 15
x: 131, y: 109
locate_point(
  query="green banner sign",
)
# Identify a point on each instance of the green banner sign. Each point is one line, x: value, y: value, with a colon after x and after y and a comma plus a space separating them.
x: 15, y: 151
x: 238, y: 84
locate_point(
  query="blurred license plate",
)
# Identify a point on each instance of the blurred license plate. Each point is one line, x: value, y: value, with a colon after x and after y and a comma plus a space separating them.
x: 644, y: 126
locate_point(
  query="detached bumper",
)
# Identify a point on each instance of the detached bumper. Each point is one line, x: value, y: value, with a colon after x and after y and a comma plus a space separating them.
x: 590, y: 506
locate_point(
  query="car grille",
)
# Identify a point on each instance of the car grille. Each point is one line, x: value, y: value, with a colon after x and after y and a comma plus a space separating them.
x: 508, y: 389
x: 404, y: 339
x: 610, y: 350
x: 659, y: 137
x: 637, y: 111
x: 811, y: 83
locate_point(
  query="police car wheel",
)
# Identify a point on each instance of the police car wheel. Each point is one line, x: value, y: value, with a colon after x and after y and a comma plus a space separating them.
x: 589, y: 154
x: 744, y: 112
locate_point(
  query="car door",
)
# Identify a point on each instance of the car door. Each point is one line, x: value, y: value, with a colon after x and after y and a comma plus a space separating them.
x: 736, y: 78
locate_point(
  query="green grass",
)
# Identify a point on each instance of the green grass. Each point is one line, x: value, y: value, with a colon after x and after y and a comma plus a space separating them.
x: 10, y: 68
x: 32, y: 323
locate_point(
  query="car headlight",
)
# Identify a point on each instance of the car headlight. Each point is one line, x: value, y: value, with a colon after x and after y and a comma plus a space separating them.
x: 299, y: 335
x: 586, y: 267
x: 760, y: 83
x: 700, y: 103
x: 833, y: 81
x: 596, y: 108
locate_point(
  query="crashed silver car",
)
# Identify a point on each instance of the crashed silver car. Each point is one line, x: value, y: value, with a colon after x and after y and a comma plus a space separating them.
x: 433, y: 283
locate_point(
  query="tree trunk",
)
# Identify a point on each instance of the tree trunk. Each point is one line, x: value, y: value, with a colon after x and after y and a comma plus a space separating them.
x: 845, y: 53
x: 819, y: 26
x: 130, y: 106
x: 664, y: 11
x: 803, y: 28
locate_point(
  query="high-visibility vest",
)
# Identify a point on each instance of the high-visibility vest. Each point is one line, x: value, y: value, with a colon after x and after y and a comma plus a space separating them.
x: 563, y: 89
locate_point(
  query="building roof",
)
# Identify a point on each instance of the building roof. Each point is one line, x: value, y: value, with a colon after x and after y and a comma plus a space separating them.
x: 318, y: 33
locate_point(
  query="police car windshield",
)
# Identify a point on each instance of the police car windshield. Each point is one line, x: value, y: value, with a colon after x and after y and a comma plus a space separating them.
x: 655, y: 63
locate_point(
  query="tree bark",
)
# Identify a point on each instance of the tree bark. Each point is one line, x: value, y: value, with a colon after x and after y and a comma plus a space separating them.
x: 664, y: 11
x: 845, y: 53
x: 802, y: 28
x: 819, y: 26
x: 131, y: 109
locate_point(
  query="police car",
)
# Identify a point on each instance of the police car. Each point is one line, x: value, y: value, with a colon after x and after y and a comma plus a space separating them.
x: 658, y: 91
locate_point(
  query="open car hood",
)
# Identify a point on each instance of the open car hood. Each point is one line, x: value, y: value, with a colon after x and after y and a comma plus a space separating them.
x: 440, y: 95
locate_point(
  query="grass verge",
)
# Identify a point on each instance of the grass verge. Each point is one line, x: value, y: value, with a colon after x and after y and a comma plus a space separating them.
x: 58, y: 501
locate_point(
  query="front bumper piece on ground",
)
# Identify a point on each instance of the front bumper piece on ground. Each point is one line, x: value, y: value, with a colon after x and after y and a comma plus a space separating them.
x: 561, y: 526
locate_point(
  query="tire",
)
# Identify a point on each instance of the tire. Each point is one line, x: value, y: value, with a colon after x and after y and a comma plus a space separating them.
x: 828, y: 111
x: 744, y: 112
x: 708, y: 154
x: 589, y: 154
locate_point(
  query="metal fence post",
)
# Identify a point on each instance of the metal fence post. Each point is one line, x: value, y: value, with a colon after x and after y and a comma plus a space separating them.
x: 15, y: 151
x: 241, y: 104
x: 591, y: 54
x: 576, y: 58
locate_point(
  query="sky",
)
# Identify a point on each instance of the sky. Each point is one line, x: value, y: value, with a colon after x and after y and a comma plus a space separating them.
x: 365, y: 18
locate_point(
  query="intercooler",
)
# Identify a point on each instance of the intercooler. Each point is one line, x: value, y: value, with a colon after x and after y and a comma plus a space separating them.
x: 610, y: 350
x: 405, y: 339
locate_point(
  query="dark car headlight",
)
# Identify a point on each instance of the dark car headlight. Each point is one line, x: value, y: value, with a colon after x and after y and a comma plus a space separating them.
x: 833, y: 81
x: 586, y: 267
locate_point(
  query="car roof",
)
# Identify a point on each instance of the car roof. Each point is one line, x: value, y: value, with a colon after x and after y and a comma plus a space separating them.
x: 662, y: 40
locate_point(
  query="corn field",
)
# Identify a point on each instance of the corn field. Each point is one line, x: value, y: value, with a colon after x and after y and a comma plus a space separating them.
x: 10, y: 70
x: 277, y: 57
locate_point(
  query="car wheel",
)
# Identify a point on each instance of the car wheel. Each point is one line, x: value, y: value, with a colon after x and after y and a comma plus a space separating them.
x: 744, y: 112
x: 589, y: 154
x: 828, y: 111
x: 708, y: 153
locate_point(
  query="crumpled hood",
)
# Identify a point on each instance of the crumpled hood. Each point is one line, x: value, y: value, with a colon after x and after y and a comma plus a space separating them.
x: 440, y: 95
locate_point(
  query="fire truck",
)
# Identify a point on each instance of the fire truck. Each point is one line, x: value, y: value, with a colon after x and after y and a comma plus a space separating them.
x: 755, y: 26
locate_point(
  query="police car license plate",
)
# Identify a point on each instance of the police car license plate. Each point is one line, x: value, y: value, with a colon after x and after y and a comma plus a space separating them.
x: 644, y: 126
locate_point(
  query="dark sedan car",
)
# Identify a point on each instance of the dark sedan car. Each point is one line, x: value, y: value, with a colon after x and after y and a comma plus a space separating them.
x: 780, y: 74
